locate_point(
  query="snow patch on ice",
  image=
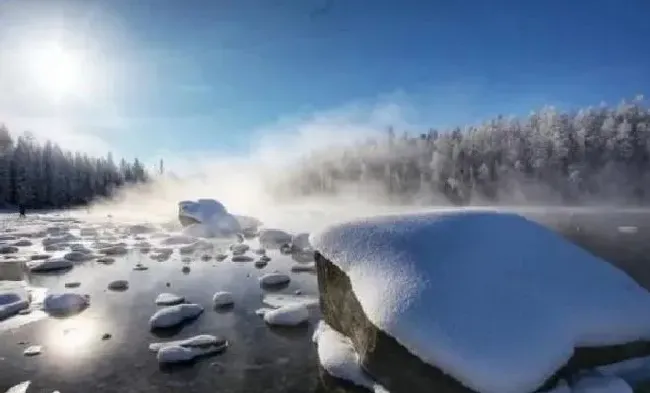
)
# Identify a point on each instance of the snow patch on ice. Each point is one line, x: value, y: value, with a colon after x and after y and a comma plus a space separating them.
x: 338, y: 357
x: 527, y: 296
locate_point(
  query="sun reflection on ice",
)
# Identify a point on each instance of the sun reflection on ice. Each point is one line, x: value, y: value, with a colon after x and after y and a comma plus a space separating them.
x: 74, y: 336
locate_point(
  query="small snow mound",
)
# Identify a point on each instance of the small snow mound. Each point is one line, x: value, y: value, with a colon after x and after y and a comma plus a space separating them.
x: 201, y: 340
x: 32, y: 350
x: 289, y: 315
x: 113, y: 250
x: 169, y: 299
x: 274, y: 238
x: 222, y: 299
x: 338, y: 357
x: 118, y: 285
x: 271, y: 279
x: 174, y: 315
x: 8, y: 250
x: 177, y: 240
x: 46, y: 265
x: 65, y: 303
x: 77, y: 256
x: 20, y: 388
x: 599, y: 384
x: 492, y: 267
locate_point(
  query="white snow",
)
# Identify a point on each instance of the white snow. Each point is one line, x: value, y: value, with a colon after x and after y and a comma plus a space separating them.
x: 212, y: 217
x: 274, y: 279
x: 274, y: 238
x: 200, y: 340
x: 289, y: 315
x: 222, y: 299
x: 20, y: 388
x: 492, y: 299
x: 66, y: 302
x: 632, y: 370
x: 338, y: 357
x: 32, y: 350
x: 174, y: 315
x: 169, y: 299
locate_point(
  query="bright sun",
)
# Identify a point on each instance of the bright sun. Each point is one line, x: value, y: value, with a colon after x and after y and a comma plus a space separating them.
x: 57, y: 72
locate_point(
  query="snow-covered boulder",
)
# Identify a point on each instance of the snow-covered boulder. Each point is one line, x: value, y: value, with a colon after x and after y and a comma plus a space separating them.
x: 12, y: 302
x: 223, y: 299
x: 274, y: 279
x: 207, y: 218
x: 479, y: 301
x: 174, y: 315
x: 274, y: 238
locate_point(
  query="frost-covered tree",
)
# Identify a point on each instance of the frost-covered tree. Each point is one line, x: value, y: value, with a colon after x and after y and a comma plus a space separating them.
x: 45, y: 176
x: 593, y: 155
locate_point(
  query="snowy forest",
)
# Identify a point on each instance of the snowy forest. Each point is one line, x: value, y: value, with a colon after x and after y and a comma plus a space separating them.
x: 592, y: 155
x: 45, y: 176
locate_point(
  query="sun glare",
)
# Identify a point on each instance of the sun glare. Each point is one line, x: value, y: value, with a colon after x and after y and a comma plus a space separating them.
x: 58, y: 73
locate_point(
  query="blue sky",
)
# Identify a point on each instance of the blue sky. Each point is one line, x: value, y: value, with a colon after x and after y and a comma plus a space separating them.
x: 171, y: 76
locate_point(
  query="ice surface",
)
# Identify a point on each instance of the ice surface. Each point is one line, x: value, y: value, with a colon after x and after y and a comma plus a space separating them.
x: 338, y: 357
x: 289, y: 315
x: 212, y: 217
x: 274, y: 279
x: 222, y: 299
x: 46, y: 265
x: 494, y: 300
x: 65, y: 303
x: 169, y: 299
x: 174, y: 315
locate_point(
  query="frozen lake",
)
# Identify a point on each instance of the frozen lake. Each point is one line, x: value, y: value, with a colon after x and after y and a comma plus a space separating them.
x: 77, y: 355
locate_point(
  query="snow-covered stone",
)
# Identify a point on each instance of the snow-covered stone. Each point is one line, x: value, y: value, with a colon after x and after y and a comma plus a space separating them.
x: 113, y: 250
x: 337, y: 356
x: 492, y: 299
x: 274, y: 238
x: 179, y: 354
x: 271, y: 279
x: 222, y: 299
x: 19, y: 388
x: 169, y: 299
x: 65, y: 303
x: 289, y: 315
x: 8, y: 249
x: 23, y: 243
x: 201, y: 340
x: 46, y: 265
x: 12, y: 302
x: 77, y: 256
x: 118, y: 285
x: 174, y: 315
x: 32, y: 350
x: 211, y: 216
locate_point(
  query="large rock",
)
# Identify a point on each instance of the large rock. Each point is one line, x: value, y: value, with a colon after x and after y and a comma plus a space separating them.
x: 379, y: 353
x: 207, y: 218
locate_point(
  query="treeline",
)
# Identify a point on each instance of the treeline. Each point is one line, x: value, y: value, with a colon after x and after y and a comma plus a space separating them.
x: 594, y: 155
x: 46, y: 176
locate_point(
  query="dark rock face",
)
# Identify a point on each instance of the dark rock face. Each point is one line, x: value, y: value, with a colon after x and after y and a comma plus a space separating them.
x: 393, y: 366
